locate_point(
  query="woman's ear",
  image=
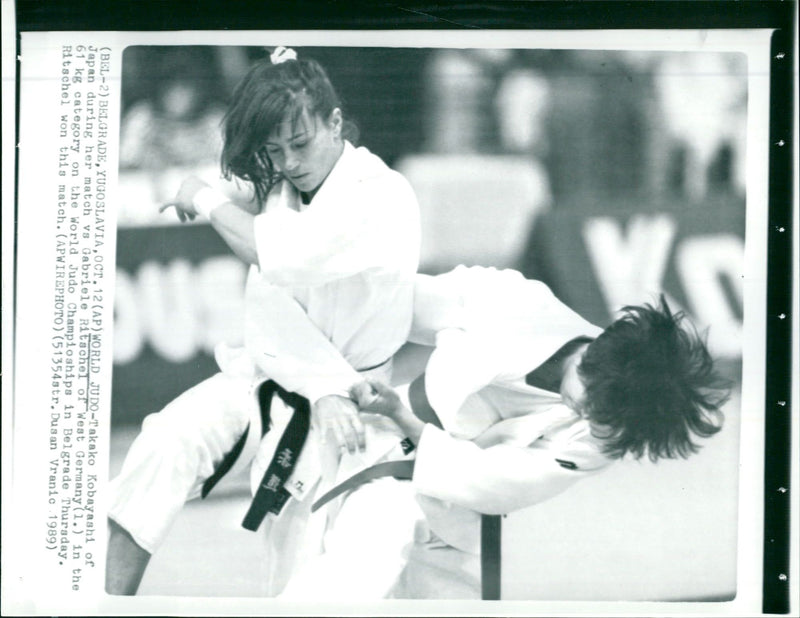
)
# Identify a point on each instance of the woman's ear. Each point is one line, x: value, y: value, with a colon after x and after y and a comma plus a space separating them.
x: 336, y: 122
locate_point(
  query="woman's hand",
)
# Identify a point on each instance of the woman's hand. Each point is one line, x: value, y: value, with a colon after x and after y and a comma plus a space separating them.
x: 339, y: 416
x: 184, y: 200
x: 374, y: 396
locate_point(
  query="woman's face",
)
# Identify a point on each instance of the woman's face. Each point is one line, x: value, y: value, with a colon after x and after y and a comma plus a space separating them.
x: 306, y: 151
x: 573, y: 391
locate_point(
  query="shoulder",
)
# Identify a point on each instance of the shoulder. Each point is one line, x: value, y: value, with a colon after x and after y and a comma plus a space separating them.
x: 490, y: 274
x: 367, y: 166
x: 577, y: 449
x: 375, y: 184
x: 493, y: 288
x: 360, y: 163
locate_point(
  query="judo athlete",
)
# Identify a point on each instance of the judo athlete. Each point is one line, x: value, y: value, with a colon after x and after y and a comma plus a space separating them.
x: 520, y: 399
x: 333, y: 248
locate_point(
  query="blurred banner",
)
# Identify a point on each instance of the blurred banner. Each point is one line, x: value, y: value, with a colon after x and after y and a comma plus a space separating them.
x: 602, y: 257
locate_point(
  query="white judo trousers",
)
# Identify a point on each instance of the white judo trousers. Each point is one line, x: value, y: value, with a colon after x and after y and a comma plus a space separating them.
x: 176, y: 451
x: 351, y: 549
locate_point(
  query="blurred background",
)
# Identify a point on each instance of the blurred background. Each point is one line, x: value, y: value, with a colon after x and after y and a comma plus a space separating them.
x: 612, y: 176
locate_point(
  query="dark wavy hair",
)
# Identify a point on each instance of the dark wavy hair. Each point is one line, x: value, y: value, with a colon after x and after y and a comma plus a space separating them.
x: 651, y: 384
x: 266, y: 95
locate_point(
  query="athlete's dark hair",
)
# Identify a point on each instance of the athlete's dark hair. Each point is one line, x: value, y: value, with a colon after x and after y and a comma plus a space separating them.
x: 651, y: 384
x: 265, y: 96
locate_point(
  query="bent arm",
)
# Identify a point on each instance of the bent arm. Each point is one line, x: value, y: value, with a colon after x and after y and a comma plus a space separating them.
x: 288, y: 347
x: 494, y: 481
x: 369, y: 225
x: 233, y: 222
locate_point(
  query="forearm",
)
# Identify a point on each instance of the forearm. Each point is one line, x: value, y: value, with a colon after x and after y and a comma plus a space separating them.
x: 236, y: 228
x: 407, y: 421
x: 378, y: 398
x: 495, y: 480
x: 289, y: 347
x: 235, y: 224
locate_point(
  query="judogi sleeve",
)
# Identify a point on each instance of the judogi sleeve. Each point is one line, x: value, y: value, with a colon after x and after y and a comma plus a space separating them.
x: 346, y: 234
x: 495, y: 480
x: 457, y: 368
x: 291, y: 350
x: 487, y: 325
x: 478, y: 319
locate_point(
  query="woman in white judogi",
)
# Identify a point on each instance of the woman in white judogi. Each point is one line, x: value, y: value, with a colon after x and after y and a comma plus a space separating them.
x: 521, y: 398
x: 329, y: 293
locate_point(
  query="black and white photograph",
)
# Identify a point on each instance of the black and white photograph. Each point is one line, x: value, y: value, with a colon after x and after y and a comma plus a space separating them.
x: 550, y: 201
x: 327, y: 322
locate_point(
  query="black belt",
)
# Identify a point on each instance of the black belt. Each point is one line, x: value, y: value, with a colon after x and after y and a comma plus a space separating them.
x: 265, y: 392
x: 272, y: 495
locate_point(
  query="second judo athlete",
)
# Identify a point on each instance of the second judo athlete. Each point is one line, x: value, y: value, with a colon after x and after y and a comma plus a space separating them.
x: 520, y: 399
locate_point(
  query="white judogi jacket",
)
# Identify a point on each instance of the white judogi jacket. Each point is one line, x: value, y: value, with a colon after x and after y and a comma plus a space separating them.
x: 343, y: 264
x: 502, y: 437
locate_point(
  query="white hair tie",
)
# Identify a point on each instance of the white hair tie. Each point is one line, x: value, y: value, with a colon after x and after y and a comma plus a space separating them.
x: 282, y: 54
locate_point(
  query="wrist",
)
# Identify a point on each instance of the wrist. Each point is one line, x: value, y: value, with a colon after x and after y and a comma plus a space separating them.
x: 402, y: 415
x: 408, y: 422
x: 206, y: 200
